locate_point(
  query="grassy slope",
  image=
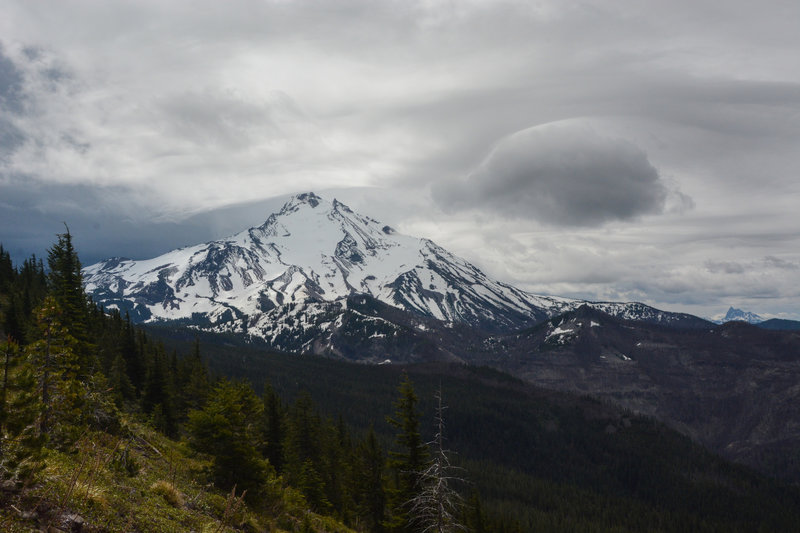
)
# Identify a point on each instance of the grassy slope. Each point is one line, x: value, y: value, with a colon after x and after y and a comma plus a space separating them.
x: 145, y: 482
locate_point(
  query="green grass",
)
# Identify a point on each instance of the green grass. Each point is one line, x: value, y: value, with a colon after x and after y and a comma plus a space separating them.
x: 143, y: 481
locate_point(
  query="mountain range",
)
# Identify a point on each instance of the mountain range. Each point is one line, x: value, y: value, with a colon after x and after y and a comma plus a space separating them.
x: 316, y: 277
x: 289, y: 281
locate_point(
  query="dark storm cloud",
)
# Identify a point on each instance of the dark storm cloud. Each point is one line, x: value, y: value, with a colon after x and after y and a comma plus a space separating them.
x: 105, y: 222
x: 562, y: 174
x: 101, y: 221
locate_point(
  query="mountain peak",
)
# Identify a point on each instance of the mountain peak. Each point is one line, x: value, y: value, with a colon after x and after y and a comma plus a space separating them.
x: 735, y: 314
x: 298, y: 201
x: 318, y: 203
x: 309, y: 198
x: 314, y: 252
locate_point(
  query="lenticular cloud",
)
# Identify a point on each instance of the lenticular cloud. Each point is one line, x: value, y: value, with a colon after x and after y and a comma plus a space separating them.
x: 560, y: 173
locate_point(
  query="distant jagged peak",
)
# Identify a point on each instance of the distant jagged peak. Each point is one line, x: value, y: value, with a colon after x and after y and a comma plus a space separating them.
x: 735, y: 314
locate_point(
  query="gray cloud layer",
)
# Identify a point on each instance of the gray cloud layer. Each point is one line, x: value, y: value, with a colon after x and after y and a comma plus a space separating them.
x: 11, y: 103
x: 560, y: 174
x: 10, y: 85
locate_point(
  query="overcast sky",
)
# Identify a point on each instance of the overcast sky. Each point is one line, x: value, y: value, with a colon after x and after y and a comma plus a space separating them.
x: 619, y: 150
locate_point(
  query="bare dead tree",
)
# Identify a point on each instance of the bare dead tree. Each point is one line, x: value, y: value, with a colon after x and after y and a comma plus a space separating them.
x: 435, y: 509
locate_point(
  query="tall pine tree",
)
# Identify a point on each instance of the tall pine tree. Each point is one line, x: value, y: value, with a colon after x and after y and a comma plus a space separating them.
x: 65, y: 283
x: 274, y: 428
x: 371, y: 494
x: 21, y: 442
x: 409, y: 459
x: 53, y: 362
x: 227, y: 429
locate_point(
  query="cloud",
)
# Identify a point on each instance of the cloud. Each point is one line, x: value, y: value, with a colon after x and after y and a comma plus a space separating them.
x: 105, y: 221
x: 783, y: 264
x: 11, y: 80
x: 223, y: 119
x: 726, y: 267
x: 11, y: 103
x: 562, y: 173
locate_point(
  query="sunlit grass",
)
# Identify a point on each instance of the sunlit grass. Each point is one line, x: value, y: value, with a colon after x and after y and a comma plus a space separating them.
x: 143, y: 481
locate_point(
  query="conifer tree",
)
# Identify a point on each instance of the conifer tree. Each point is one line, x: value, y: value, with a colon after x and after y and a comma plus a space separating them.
x: 132, y: 349
x: 158, y: 398
x: 21, y: 441
x: 303, y: 434
x: 122, y: 389
x: 274, y: 428
x: 336, y: 467
x: 7, y: 272
x: 370, y: 485
x: 474, y: 517
x: 226, y: 428
x: 8, y: 350
x: 66, y: 288
x: 53, y: 363
x: 195, y: 383
x: 12, y: 323
x: 31, y: 288
x: 409, y: 460
x: 25, y: 292
x: 51, y: 356
x: 310, y: 483
x: 303, y: 449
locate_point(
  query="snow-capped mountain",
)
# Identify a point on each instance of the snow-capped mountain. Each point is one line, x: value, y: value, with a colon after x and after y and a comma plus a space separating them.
x: 739, y: 315
x: 290, y: 279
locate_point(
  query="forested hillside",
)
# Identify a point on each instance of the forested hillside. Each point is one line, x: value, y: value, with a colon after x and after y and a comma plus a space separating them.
x: 539, y: 460
x: 106, y: 427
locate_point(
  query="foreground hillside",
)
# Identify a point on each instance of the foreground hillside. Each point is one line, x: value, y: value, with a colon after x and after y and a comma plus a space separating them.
x: 140, y: 480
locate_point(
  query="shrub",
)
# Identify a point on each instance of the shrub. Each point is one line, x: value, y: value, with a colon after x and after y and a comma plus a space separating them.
x: 168, y: 491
